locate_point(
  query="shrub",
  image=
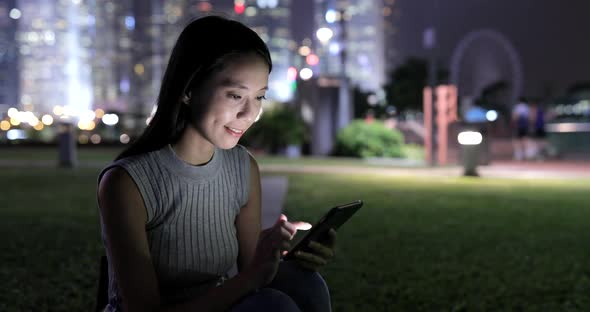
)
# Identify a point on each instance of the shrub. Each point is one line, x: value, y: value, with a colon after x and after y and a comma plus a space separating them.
x: 277, y: 128
x: 362, y: 139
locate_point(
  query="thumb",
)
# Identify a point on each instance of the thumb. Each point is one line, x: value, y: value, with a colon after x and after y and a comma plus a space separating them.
x: 301, y: 225
x: 282, y: 219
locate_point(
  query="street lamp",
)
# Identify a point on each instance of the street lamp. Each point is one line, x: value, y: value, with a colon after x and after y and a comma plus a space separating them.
x: 470, y: 141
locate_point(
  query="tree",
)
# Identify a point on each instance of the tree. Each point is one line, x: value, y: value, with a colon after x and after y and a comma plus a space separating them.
x: 406, y: 84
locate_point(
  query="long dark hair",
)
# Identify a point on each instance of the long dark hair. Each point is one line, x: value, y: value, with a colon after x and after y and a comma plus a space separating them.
x: 203, y: 48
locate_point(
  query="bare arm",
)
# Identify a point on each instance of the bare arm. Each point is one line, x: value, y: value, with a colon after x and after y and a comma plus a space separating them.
x: 248, y: 221
x: 124, y: 217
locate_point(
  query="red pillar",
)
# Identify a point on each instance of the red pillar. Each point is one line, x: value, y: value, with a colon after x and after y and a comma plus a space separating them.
x: 427, y: 101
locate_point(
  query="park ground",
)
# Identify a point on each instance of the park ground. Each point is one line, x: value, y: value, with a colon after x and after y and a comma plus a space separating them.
x: 426, y: 239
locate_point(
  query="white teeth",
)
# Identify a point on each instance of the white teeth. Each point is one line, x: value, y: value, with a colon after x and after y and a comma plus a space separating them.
x: 235, y: 130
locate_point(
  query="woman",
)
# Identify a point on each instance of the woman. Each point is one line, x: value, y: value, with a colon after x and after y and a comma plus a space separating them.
x: 181, y: 206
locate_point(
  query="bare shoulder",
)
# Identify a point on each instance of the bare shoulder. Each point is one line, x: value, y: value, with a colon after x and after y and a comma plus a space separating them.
x: 117, y: 190
x: 253, y: 163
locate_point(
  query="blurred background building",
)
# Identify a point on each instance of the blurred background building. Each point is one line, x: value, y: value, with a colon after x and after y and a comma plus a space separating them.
x: 366, y: 30
x: 8, y: 56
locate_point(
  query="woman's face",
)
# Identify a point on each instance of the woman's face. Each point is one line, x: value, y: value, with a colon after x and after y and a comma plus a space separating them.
x: 228, y: 104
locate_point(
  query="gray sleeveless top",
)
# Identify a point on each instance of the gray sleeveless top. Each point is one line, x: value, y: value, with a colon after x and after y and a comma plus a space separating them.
x: 191, y: 213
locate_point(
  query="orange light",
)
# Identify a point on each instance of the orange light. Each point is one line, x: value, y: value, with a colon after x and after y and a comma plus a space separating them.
x: 4, y: 125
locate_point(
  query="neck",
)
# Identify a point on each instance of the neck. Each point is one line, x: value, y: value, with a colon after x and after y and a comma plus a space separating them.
x: 193, y: 148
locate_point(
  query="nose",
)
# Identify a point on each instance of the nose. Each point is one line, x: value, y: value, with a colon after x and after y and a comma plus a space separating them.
x: 249, y: 111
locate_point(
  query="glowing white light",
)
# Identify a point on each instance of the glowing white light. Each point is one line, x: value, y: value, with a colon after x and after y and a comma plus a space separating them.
x: 33, y: 121
x: 324, y: 34
x: 15, y: 14
x: 25, y: 117
x: 69, y: 110
x: 110, y: 119
x: 334, y: 48
x: 305, y: 73
x: 331, y: 16
x: 12, y: 112
x: 124, y: 138
x: 77, y: 84
x: 492, y: 115
x: 47, y: 120
x: 49, y: 37
x: 270, y: 4
x: 16, y: 134
x: 469, y: 138
x: 283, y: 91
x: 87, y: 115
x: 58, y: 110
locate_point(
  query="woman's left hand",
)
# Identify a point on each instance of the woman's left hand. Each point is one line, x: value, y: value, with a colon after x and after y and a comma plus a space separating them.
x: 319, y: 255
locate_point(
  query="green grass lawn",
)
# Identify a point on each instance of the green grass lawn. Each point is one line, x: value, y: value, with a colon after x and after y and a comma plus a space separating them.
x: 106, y: 154
x: 445, y: 244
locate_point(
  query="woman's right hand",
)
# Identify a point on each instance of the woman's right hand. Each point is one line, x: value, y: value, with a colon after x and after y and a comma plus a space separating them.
x: 271, y: 243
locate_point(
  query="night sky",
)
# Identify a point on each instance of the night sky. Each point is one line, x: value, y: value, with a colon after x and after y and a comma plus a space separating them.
x: 551, y: 36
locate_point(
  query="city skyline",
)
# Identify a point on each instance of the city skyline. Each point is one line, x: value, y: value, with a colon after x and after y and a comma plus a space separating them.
x: 550, y: 65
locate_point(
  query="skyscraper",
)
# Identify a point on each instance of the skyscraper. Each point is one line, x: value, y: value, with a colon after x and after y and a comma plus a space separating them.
x: 271, y: 20
x: 8, y: 55
x: 54, y: 55
x: 364, y: 29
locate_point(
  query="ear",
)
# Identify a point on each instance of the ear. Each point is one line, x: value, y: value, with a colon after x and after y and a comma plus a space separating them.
x: 186, y: 98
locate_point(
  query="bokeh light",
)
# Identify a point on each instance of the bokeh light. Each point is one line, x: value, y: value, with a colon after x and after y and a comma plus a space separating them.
x: 304, y: 51
x: 4, y: 125
x: 110, y: 119
x: 95, y: 139
x: 305, y: 73
x: 15, y: 14
x: 124, y: 138
x: 324, y: 34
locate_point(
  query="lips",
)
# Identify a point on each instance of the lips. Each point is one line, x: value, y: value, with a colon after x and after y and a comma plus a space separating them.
x: 233, y: 131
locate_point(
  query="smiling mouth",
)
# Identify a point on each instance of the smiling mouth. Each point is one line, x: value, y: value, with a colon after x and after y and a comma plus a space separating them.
x: 234, y: 131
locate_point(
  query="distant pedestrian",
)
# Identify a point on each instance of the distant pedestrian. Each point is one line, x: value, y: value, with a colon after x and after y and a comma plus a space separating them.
x: 538, y: 122
x: 520, y: 125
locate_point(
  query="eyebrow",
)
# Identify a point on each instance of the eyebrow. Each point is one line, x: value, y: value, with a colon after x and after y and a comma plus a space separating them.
x: 232, y: 83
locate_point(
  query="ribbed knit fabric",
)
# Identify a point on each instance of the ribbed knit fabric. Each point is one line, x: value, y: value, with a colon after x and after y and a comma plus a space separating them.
x: 191, y: 213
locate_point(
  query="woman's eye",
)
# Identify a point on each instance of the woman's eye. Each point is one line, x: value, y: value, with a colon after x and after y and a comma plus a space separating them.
x: 234, y: 96
x: 260, y: 98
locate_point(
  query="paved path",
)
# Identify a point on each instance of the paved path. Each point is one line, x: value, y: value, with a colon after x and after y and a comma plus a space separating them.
x: 515, y: 170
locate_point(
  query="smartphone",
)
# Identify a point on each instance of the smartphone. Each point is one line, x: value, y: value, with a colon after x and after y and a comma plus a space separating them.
x: 333, y: 219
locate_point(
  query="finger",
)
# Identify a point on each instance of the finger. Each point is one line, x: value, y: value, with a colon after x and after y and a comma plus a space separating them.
x: 282, y: 219
x: 331, y: 241
x: 321, y: 250
x: 285, y: 234
x: 311, y: 258
x: 289, y: 227
x: 276, y: 255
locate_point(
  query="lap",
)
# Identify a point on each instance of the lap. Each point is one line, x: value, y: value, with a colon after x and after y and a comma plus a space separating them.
x: 293, y: 289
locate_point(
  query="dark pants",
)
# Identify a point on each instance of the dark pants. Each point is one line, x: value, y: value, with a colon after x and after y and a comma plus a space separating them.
x: 293, y: 289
